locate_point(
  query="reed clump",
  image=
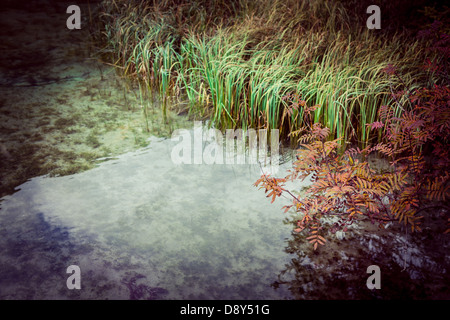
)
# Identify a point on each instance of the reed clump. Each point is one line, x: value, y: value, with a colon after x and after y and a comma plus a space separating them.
x: 234, y: 61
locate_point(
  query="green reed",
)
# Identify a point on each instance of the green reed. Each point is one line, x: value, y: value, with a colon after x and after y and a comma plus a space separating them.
x: 236, y: 66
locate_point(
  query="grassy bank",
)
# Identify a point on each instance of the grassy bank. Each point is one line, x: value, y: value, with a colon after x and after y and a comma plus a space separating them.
x: 234, y: 61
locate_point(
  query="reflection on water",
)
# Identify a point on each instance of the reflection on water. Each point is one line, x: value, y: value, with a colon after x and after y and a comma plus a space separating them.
x: 140, y: 226
x: 411, y: 267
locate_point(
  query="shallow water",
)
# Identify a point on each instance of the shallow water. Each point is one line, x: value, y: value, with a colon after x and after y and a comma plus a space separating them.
x: 140, y: 226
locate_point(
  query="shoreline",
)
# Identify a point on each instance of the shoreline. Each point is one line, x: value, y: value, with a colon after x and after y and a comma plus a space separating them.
x: 60, y: 108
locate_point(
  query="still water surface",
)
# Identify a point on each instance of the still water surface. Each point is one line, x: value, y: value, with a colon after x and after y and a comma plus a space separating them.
x: 140, y: 226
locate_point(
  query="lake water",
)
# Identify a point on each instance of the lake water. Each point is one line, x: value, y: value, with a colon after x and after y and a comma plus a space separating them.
x: 140, y: 226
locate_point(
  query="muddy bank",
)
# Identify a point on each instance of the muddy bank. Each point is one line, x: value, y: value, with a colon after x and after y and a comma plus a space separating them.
x: 60, y: 108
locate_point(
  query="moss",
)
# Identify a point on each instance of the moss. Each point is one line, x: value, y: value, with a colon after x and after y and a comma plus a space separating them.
x: 89, y: 156
x: 64, y: 122
x: 48, y: 111
x: 44, y: 121
x: 140, y: 141
x: 70, y: 130
x: 92, y: 141
x: 36, y: 137
x: 106, y: 151
x: 47, y: 128
x: 72, y: 168
x: 89, y: 123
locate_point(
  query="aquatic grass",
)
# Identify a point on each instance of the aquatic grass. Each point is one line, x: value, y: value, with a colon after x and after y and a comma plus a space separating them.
x: 240, y: 90
x: 236, y: 67
x: 144, y: 106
